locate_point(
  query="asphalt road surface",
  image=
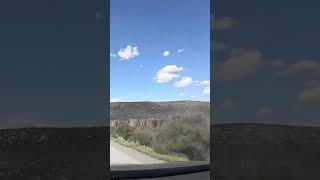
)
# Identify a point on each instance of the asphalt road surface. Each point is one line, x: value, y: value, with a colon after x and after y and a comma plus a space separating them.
x: 123, y: 155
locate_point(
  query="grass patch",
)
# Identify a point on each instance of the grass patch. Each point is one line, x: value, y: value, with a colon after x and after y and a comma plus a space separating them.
x: 146, y: 150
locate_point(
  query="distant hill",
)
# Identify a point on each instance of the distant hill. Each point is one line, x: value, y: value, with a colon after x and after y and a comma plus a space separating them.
x: 158, y: 110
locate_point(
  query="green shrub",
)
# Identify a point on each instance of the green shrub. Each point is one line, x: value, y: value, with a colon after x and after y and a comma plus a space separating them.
x: 113, y: 132
x: 187, y: 137
x: 124, y: 130
x: 142, y: 137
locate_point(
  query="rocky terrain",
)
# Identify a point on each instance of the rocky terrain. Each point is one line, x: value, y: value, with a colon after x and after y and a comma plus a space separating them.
x: 239, y: 151
x: 147, y: 115
x: 54, y: 153
x: 174, y: 128
x: 258, y: 151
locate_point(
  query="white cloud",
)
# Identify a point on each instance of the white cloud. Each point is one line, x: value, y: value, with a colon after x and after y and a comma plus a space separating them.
x: 181, y: 94
x: 184, y: 82
x: 116, y: 99
x: 206, y: 91
x: 167, y: 73
x: 166, y: 53
x: 180, y: 51
x: 129, y: 52
x: 192, y: 97
x: 204, y: 83
x: 113, y: 55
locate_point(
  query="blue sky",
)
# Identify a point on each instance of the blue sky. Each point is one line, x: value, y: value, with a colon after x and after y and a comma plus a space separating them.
x: 160, y: 50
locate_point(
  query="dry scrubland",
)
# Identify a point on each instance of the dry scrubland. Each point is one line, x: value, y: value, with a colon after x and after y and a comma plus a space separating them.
x: 240, y: 151
x: 187, y: 138
x: 172, y: 129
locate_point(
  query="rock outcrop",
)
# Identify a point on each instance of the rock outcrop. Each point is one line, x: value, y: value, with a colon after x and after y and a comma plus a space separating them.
x: 149, y: 115
x: 139, y: 124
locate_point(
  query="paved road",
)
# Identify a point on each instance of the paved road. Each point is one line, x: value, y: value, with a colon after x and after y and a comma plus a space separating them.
x: 123, y: 155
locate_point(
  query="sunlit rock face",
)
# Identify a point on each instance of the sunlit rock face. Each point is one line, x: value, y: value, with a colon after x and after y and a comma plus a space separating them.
x: 139, y: 124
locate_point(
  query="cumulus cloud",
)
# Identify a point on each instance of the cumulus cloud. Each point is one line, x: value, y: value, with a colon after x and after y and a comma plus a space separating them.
x: 241, y: 63
x: 166, y: 53
x: 204, y: 83
x: 180, y: 51
x: 304, y: 66
x: 221, y: 23
x: 129, y: 52
x: 192, y: 97
x: 206, y: 91
x: 184, y: 82
x: 168, y: 73
x: 181, y: 94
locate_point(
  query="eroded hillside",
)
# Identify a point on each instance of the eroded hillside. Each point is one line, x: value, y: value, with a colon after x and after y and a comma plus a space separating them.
x: 154, y: 114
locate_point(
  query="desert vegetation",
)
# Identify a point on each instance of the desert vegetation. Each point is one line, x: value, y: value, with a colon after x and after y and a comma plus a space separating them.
x: 187, y: 137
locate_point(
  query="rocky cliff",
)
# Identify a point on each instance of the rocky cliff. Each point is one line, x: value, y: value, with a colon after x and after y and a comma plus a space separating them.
x: 141, y: 123
x: 153, y: 114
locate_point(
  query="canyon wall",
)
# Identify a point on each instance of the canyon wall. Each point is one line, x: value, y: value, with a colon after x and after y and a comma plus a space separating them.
x: 139, y: 124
